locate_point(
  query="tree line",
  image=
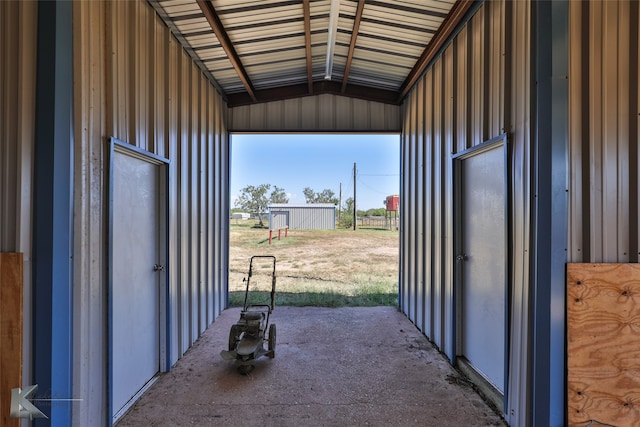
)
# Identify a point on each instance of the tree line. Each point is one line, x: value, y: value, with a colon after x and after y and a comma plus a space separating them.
x: 255, y: 199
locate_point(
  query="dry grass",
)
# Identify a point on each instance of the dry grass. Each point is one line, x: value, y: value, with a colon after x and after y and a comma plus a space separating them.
x: 317, y: 267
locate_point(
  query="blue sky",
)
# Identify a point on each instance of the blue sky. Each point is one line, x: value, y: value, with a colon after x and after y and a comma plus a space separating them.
x: 319, y: 161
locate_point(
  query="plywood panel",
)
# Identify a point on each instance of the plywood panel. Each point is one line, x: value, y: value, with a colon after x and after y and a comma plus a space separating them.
x: 11, y: 286
x: 603, y: 344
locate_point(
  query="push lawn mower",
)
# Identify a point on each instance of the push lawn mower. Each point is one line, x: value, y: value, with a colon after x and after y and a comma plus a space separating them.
x: 247, y: 336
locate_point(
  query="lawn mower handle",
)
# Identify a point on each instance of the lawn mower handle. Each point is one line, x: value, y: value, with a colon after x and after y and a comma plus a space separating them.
x: 273, y: 279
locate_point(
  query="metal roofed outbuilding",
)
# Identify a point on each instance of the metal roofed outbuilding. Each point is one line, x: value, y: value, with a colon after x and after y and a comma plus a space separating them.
x: 312, y: 216
x: 553, y: 84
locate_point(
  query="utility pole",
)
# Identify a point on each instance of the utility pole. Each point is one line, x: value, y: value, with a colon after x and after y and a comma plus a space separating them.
x: 355, y: 215
x: 340, y: 204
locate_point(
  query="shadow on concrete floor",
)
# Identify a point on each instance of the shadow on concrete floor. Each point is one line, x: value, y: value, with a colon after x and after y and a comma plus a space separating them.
x: 333, y: 367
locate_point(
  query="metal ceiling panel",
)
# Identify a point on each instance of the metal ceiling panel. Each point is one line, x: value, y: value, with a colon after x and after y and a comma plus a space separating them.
x: 263, y: 43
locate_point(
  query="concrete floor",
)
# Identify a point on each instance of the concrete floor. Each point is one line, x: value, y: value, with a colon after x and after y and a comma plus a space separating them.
x: 333, y: 367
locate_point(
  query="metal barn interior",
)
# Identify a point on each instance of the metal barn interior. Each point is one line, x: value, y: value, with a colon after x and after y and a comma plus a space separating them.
x: 115, y: 119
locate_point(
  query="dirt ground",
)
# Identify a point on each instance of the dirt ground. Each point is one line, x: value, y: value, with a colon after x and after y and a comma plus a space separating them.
x: 333, y: 367
x: 316, y: 260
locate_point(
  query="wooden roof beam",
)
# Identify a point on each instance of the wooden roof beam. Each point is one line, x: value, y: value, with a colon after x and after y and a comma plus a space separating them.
x: 217, y: 27
x: 457, y: 13
x: 319, y: 87
x: 306, y: 9
x: 352, y: 46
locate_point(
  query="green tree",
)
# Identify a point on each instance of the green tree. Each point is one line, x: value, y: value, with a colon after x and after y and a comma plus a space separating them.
x: 347, y: 214
x: 376, y: 212
x: 278, y: 195
x: 253, y: 199
x: 325, y: 196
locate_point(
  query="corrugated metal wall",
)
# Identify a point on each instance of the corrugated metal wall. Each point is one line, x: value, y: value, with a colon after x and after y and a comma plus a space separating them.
x: 301, y: 217
x: 136, y: 83
x: 17, y: 132
x: 325, y: 112
x: 477, y: 89
x: 518, y: 124
x: 603, y: 108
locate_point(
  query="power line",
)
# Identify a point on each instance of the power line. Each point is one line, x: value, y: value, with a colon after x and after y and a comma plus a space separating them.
x: 373, y: 189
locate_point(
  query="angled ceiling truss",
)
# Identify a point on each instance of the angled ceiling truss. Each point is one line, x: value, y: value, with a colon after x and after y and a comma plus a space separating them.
x: 252, y: 95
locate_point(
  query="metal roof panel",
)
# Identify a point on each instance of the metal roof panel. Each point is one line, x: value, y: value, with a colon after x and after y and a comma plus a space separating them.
x: 268, y: 39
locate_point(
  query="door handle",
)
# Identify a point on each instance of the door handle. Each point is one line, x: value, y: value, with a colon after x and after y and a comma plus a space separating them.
x: 462, y: 257
x: 158, y: 267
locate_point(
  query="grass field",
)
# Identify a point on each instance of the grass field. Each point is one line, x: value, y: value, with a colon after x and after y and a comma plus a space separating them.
x: 329, y: 268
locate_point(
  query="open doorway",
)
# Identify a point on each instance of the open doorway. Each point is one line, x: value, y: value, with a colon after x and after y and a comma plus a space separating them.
x: 318, y: 203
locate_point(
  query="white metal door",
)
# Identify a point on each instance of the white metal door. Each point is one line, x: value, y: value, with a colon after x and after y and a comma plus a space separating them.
x: 135, y: 309
x: 482, y: 259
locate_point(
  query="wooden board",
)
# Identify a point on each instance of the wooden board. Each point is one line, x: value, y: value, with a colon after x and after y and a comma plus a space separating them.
x: 11, y: 279
x: 603, y: 344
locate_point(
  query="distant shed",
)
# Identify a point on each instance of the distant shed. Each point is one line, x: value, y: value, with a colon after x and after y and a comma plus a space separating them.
x: 312, y: 216
x: 240, y: 215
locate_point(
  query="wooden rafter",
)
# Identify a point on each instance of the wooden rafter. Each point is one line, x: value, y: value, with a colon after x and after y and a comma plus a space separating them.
x: 217, y: 27
x: 319, y: 87
x: 307, y: 42
x: 458, y: 11
x: 352, y: 46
